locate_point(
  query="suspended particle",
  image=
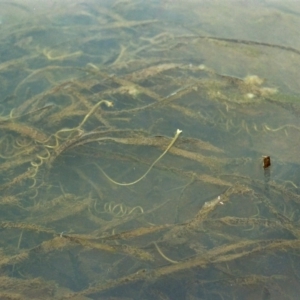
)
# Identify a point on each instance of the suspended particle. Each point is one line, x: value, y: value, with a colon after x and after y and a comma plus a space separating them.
x: 266, y: 161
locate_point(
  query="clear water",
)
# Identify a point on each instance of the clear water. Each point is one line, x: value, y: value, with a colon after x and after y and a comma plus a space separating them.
x: 102, y: 199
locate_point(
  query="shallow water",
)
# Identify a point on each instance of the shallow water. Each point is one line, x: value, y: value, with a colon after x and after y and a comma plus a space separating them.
x: 106, y: 199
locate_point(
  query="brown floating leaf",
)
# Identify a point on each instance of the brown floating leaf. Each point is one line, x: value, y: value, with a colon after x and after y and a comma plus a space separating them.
x: 266, y: 161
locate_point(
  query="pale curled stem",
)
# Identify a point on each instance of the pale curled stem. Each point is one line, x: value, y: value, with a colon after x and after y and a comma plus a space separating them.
x: 150, y: 168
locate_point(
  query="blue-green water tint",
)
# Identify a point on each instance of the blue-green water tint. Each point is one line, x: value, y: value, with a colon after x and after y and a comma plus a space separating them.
x: 208, y: 221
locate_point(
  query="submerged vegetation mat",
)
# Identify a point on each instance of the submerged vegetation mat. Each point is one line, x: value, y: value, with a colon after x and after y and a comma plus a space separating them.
x: 132, y: 164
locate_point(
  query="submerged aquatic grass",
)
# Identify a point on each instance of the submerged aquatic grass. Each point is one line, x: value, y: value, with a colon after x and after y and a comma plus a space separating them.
x: 89, y: 90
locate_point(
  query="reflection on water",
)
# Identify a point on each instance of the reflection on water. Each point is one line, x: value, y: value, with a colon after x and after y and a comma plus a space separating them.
x: 102, y: 197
